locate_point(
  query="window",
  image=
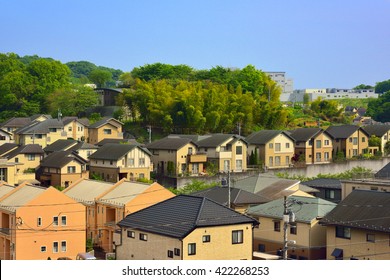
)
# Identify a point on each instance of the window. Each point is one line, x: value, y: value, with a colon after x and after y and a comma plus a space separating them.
x: 39, y: 221
x: 170, y: 254
x: 326, y: 156
x: 261, y: 248
x: 69, y: 128
x: 237, y: 236
x: 107, y: 131
x: 355, y: 141
x: 111, y: 162
x: 206, y: 238
x: 63, y: 246
x: 55, y: 247
x: 30, y: 157
x: 287, y: 145
x: 370, y: 237
x: 63, y: 220
x: 16, y: 160
x: 277, y: 161
x: 271, y: 161
x: 363, y: 139
x: 130, y: 234
x: 143, y: 236
x: 277, y: 147
x: 177, y: 252
x: 355, y: 152
x: 71, y: 169
x: 318, y: 144
x: 55, y: 221
x: 271, y: 145
x: 311, y: 142
x: 190, y: 150
x: 329, y: 194
x: 131, y: 162
x: 326, y: 142
x: 293, y: 228
x: 43, y: 249
x: 52, y: 129
x: 318, y: 157
x: 343, y: 232
x: 191, y: 249
x: 141, y: 161
x: 239, y: 150
x: 276, y: 225
x: 287, y: 160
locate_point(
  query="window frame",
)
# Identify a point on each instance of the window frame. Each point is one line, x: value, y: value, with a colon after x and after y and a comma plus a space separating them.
x: 206, y: 238
x: 191, y: 249
x: 131, y: 234
x: 237, y: 236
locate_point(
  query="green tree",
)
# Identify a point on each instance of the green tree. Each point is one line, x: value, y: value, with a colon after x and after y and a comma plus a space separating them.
x: 100, y: 77
x: 382, y: 87
x: 375, y: 141
x: 387, y: 148
x: 379, y: 108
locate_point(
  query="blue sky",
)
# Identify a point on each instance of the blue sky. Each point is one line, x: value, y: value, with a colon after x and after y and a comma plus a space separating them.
x: 333, y: 43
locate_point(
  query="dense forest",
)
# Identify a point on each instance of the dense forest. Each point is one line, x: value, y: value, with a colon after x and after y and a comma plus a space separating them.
x: 171, y: 98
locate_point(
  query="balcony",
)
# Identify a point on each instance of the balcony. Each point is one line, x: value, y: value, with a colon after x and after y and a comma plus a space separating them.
x: 197, y: 158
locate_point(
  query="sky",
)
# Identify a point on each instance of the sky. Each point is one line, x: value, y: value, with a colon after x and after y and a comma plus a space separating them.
x: 318, y: 43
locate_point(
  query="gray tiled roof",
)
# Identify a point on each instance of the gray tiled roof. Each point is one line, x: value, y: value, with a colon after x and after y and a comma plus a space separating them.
x: 103, y: 122
x: 341, y: 131
x: 169, y: 143
x: 377, y: 130
x: 328, y: 183
x: 60, y: 158
x: 384, y: 173
x: 6, y: 147
x: 262, y: 137
x: 40, y: 127
x: 16, y: 122
x: 60, y: 145
x: 306, y: 209
x: 25, y: 149
x: 362, y: 209
x: 180, y: 215
x: 83, y: 121
x: 214, y: 140
x: 112, y: 151
x: 304, y: 134
x: 117, y: 141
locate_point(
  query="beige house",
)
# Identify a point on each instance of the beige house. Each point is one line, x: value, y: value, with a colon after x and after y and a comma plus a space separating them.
x: 113, y: 162
x: 380, y: 131
x: 174, y: 156
x: 359, y: 227
x: 108, y: 203
x: 185, y: 228
x: 76, y: 128
x: 5, y: 137
x: 348, y: 186
x: 274, y: 148
x: 42, y: 133
x: 39, y: 223
x: 312, y: 145
x: 105, y: 128
x: 308, y: 235
x: 351, y: 140
x: 18, y: 122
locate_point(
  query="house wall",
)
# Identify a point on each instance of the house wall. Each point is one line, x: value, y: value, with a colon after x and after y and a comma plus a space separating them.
x: 30, y: 235
x: 384, y: 139
x: 7, y: 172
x: 76, y: 131
x: 5, y: 138
x: 375, y: 185
x: 269, y: 156
x: 95, y: 135
x: 220, y: 246
x: 47, y: 139
x: 357, y: 246
x: 362, y: 143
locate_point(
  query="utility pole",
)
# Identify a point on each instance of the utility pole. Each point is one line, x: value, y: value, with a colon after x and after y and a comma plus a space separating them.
x: 239, y: 128
x: 229, y: 200
x: 285, y: 227
x: 150, y: 133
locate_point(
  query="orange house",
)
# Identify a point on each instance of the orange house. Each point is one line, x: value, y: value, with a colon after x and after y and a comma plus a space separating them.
x: 40, y: 223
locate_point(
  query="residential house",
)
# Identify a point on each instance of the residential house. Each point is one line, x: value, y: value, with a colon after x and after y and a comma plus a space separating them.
x: 384, y: 172
x: 359, y: 227
x: 62, y: 168
x: 234, y: 198
x: 131, y: 141
x: 18, y: 122
x: 109, y: 203
x: 42, y: 133
x: 60, y: 145
x: 113, y: 162
x: 40, y: 223
x: 308, y: 235
x: 274, y: 148
x: 312, y: 145
x: 26, y: 159
x: 329, y: 189
x: 5, y: 137
x: 175, y: 156
x: 76, y: 128
x: 348, y: 186
x: 351, y: 140
x: 105, y: 128
x: 83, y: 149
x: 380, y: 131
x: 185, y: 228
x: 7, y: 172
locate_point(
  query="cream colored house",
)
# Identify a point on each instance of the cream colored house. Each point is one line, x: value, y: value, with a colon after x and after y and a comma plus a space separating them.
x: 105, y: 128
x: 76, y: 128
x: 6, y: 137
x: 348, y: 186
x: 275, y: 148
x: 309, y: 236
x: 380, y: 131
x: 113, y: 162
x: 185, y: 228
x: 359, y: 227
x: 40, y: 223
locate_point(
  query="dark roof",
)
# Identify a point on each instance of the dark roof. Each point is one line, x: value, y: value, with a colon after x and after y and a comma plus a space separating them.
x: 40, y: 127
x: 384, y: 173
x: 103, y: 122
x: 60, y: 145
x: 169, y: 143
x: 341, y: 131
x: 362, y: 209
x: 180, y: 215
x: 25, y: 149
x: 376, y: 129
x: 16, y: 122
x: 59, y: 159
x: 262, y: 137
x: 83, y: 121
x: 304, y: 134
x: 6, y: 147
x: 237, y: 196
x: 112, y: 151
x: 326, y: 183
x: 83, y: 145
x: 117, y: 141
x: 214, y: 140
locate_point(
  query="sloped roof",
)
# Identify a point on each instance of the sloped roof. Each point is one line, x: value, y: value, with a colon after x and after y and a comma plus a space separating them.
x: 214, y: 140
x: 341, y: 131
x: 305, y: 134
x: 117, y: 141
x: 306, y: 209
x: 16, y: 122
x: 376, y: 129
x: 6, y: 147
x: 60, y: 145
x: 20, y: 197
x: 112, y: 151
x: 328, y: 183
x: 25, y: 149
x: 82, y: 146
x: 362, y: 209
x: 104, y: 121
x: 180, y: 215
x: 86, y: 190
x: 384, y: 172
x: 169, y: 143
x: 5, y: 188
x: 40, y: 127
x: 262, y: 137
x: 237, y: 196
x: 59, y: 159
x: 83, y: 121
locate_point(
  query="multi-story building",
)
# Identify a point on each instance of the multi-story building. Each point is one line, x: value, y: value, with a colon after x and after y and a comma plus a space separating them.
x: 105, y: 128
x: 331, y: 93
x: 286, y: 84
